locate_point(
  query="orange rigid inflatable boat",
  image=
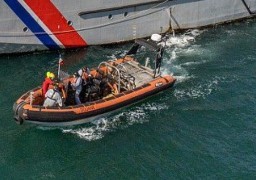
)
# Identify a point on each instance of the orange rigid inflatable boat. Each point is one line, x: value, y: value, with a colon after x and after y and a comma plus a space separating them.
x: 134, y: 82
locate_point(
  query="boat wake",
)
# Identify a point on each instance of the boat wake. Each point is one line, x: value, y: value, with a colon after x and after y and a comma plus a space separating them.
x: 182, y: 45
x: 97, y: 129
x: 201, y: 90
x: 185, y: 54
x: 183, y: 40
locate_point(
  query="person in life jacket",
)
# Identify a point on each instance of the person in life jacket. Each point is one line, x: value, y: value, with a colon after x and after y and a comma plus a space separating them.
x: 112, y: 84
x: 47, y: 82
x: 53, y: 97
x: 85, y: 76
x: 85, y: 79
x: 77, y: 85
x: 86, y: 73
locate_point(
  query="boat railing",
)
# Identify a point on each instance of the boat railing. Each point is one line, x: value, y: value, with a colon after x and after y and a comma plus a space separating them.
x: 117, y: 70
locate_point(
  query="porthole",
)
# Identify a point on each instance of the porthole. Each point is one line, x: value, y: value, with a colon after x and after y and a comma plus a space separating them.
x: 70, y: 23
x: 125, y: 14
x: 110, y: 16
x: 25, y: 29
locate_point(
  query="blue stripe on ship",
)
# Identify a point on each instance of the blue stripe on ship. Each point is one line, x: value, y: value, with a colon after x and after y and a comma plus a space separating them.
x: 28, y: 20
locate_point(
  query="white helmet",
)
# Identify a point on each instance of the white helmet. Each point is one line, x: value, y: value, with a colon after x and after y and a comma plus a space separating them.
x: 80, y: 72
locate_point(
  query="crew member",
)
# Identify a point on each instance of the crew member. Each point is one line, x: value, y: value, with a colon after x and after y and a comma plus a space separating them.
x: 77, y: 85
x: 86, y: 76
x: 47, y: 82
x: 86, y: 73
x: 111, y: 83
x: 62, y: 91
x: 53, y: 97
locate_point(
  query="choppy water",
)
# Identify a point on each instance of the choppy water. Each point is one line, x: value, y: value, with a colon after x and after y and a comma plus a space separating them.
x: 203, y: 128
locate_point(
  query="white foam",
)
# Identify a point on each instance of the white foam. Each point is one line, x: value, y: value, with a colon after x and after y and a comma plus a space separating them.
x: 183, y: 40
x: 182, y: 78
x: 195, y: 32
x: 99, y: 128
x: 155, y: 106
x: 182, y: 45
x: 193, y: 63
x: 177, y: 41
x: 95, y: 131
x: 197, y: 91
x: 47, y: 128
x: 173, y: 54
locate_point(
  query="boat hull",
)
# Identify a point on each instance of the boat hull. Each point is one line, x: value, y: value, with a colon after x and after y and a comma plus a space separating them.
x: 26, y: 26
x: 89, y: 111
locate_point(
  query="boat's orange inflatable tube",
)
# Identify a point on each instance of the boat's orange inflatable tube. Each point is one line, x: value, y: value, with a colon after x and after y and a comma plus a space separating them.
x: 72, y: 114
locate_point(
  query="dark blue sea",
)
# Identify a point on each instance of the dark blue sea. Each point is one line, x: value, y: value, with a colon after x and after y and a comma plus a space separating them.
x: 202, y: 128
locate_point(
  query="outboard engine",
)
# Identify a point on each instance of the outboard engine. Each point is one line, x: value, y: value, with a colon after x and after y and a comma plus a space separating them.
x: 18, y: 111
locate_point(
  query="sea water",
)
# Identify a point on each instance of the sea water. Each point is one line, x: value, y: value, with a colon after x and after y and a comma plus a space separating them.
x: 202, y: 128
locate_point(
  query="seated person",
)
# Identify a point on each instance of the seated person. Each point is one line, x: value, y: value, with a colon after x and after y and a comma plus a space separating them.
x: 86, y: 73
x: 112, y: 84
x: 47, y: 82
x: 53, y: 97
x: 62, y: 90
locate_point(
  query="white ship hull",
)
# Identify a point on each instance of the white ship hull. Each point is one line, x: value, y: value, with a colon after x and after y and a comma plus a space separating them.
x: 28, y: 25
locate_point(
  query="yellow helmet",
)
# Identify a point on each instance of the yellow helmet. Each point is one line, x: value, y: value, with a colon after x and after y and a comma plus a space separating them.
x: 52, y: 76
x: 48, y: 74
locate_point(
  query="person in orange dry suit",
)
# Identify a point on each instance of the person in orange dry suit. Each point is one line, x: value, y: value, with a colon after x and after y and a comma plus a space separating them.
x: 47, y: 82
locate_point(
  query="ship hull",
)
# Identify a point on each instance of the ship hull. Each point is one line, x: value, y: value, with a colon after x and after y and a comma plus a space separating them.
x: 28, y: 25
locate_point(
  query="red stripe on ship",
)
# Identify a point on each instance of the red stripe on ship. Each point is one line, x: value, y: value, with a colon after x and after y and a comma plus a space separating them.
x: 56, y: 22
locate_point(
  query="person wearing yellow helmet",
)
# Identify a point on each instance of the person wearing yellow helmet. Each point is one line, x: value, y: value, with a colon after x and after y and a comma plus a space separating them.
x: 47, y: 82
x: 48, y: 74
x: 52, y: 76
